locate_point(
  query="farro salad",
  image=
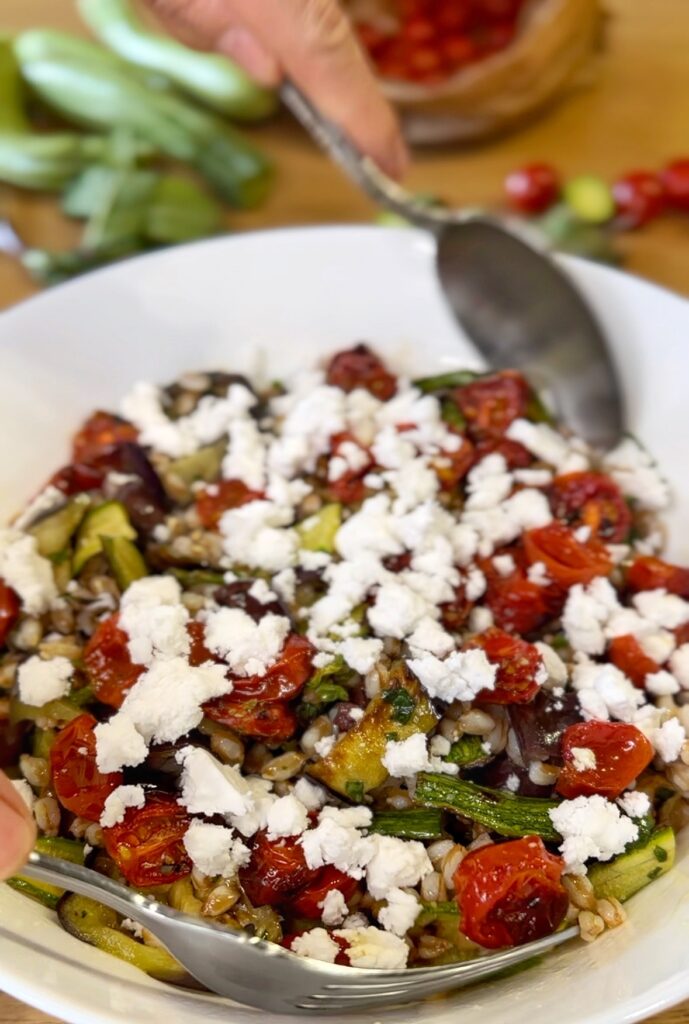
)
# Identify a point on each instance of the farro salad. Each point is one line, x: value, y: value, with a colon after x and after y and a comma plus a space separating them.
x: 387, y: 672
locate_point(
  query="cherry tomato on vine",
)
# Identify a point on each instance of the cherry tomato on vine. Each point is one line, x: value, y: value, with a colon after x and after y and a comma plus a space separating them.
x: 675, y: 181
x: 617, y: 753
x: 532, y: 188
x: 638, y: 197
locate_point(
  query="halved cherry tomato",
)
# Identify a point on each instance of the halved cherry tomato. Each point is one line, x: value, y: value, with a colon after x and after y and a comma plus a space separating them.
x: 510, y: 893
x: 218, y: 498
x: 350, y: 487
x: 593, y: 500
x: 9, y: 610
x: 567, y: 560
x: 308, y: 902
x: 286, y: 678
x: 277, y: 870
x: 648, y: 573
x: 147, y: 845
x: 110, y: 669
x: 78, y: 784
x: 532, y: 188
x: 266, y: 720
x: 358, y: 367
x: 518, y: 664
x: 490, y: 404
x: 451, y: 467
x: 519, y: 605
x: 628, y: 655
x: 77, y: 478
x: 621, y: 753
x: 515, y: 454
x: 101, y: 432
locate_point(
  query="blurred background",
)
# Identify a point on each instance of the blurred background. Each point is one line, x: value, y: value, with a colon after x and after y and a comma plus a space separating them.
x: 573, y: 112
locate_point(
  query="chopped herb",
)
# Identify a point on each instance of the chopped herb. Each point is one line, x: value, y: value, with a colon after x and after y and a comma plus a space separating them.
x: 402, y: 702
x: 654, y: 874
x: 444, y: 381
x: 392, y: 737
x: 354, y: 789
x: 451, y: 414
x: 660, y: 854
x: 325, y: 687
x: 468, y: 752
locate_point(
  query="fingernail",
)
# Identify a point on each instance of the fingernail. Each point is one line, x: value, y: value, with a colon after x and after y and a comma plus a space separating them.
x: 19, y: 834
x: 243, y: 47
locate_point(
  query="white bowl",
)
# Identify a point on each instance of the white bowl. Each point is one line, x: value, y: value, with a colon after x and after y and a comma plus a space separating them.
x: 270, y: 302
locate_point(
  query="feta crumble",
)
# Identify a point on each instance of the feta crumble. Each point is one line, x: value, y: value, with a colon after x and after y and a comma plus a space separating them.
x: 118, y: 801
x: 42, y: 681
x: 215, y: 850
x: 591, y: 827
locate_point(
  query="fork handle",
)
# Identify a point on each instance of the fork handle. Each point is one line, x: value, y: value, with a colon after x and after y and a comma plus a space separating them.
x: 87, y: 883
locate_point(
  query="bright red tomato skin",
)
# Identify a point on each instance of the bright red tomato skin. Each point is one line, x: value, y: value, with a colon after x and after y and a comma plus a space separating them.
x: 532, y: 188
x: 78, y: 784
x: 359, y: 367
x: 273, y: 721
x: 593, y: 500
x: 510, y: 893
x: 519, y: 663
x: 212, y: 502
x: 276, y: 871
x: 110, y: 669
x: 490, y: 404
x: 518, y: 605
x: 77, y: 478
x: 515, y: 454
x: 99, y: 434
x: 628, y: 655
x: 648, y: 573
x: 452, y: 467
x: 675, y: 182
x: 10, y: 606
x: 639, y: 197
x: 307, y: 902
x: 567, y: 560
x: 286, y: 678
x: 147, y: 845
x: 621, y: 751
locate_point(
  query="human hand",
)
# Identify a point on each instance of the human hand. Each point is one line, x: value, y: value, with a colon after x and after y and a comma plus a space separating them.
x: 17, y: 829
x: 311, y: 42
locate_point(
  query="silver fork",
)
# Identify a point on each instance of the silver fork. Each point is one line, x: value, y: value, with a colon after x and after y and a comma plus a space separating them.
x: 264, y: 975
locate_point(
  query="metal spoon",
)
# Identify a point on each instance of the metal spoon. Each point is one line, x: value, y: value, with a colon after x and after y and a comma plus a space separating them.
x: 513, y: 300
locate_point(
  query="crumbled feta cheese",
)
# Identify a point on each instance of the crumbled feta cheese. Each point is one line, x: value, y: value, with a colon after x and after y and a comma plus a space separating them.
x: 249, y: 647
x: 246, y: 454
x: 583, y: 759
x: 668, y: 740
x: 538, y: 574
x: 48, y: 499
x: 361, y: 653
x: 586, y: 612
x: 132, y: 926
x: 334, y: 907
x: 488, y: 483
x: 679, y: 664
x: 533, y: 477
x: 591, y: 827
x: 261, y: 592
x: 504, y: 565
x: 285, y: 584
x: 512, y: 783
x: 430, y: 636
x: 604, y: 691
x: 371, y: 947
x: 255, y: 534
x: 554, y: 665
x: 42, y: 681
x: 259, y: 799
x: 336, y: 840
x: 397, y: 610
x: 635, y: 804
x: 474, y: 584
x: 310, y: 794
x: 25, y: 792
x: 637, y: 475
x: 117, y: 803
x: 480, y: 619
x: 287, y: 817
x: 350, y: 458
x: 665, y: 610
x: 118, y: 744
x: 401, y: 911
x: 406, y: 757
x: 394, y: 863
x: 209, y: 787
x: 324, y: 745
x: 439, y: 746
x: 460, y: 677
x: 154, y: 619
x: 317, y: 944
x: 661, y: 683
x: 582, y: 534
x: 548, y: 445
x: 659, y: 645
x: 27, y: 572
x: 215, y: 850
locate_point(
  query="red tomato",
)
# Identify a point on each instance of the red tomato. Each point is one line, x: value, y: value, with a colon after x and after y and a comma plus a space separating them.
x: 101, y: 432
x: 359, y: 367
x: 451, y: 467
x: 77, y: 478
x: 454, y: 613
x: 518, y: 663
x: 627, y: 654
x: 267, y: 720
x: 532, y: 188
x: 518, y: 605
x: 648, y: 573
x: 621, y: 752
x: 638, y: 197
x: 593, y: 500
x: 147, y: 845
x: 218, y: 498
x: 490, y: 404
x: 110, y: 669
x: 675, y: 182
x: 286, y: 678
x: 566, y: 559
x: 682, y: 634
x: 277, y: 870
x: 78, y: 784
x: 9, y: 610
x: 515, y: 454
x: 350, y: 487
x: 510, y: 893
x: 308, y: 901
x: 199, y: 653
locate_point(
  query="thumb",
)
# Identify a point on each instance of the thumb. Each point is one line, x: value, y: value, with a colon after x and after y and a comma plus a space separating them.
x: 17, y: 829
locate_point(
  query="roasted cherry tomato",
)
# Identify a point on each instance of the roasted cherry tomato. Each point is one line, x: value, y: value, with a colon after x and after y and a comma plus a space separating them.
x: 147, y: 845
x: 78, y: 784
x: 101, y: 432
x: 218, y: 498
x: 519, y: 663
x: 675, y: 181
x: 628, y: 655
x: 77, y: 478
x: 285, y: 679
x: 593, y: 500
x: 308, y: 902
x: 567, y: 560
x: 490, y: 404
x: 617, y: 752
x: 515, y: 454
x: 9, y: 610
x: 648, y: 573
x: 276, y: 871
x: 358, y: 367
x: 272, y: 720
x: 532, y: 188
x: 349, y: 488
x: 510, y: 893
x: 682, y: 634
x: 638, y: 197
x: 519, y: 605
x: 454, y: 613
x: 110, y: 669
x: 451, y: 467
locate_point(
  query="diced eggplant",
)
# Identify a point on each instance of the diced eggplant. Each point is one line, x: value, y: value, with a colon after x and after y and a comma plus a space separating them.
x: 236, y: 595
x: 539, y: 725
x: 144, y: 496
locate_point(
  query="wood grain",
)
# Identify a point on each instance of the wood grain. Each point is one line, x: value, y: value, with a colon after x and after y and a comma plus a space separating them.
x: 632, y: 114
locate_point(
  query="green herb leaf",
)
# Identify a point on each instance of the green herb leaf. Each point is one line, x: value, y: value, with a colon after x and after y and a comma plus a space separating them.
x: 402, y: 702
x: 355, y: 790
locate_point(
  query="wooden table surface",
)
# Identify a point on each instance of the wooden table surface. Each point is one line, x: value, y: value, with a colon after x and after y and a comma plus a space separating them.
x: 633, y: 113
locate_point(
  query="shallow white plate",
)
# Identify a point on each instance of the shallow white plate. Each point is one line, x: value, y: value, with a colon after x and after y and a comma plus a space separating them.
x: 268, y: 303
